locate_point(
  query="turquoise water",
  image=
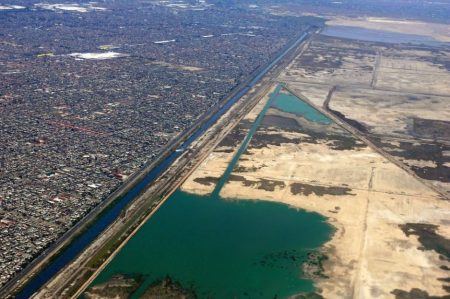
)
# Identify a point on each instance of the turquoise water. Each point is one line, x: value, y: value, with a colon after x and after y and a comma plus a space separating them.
x: 289, y: 103
x: 225, y: 248
x: 245, y: 143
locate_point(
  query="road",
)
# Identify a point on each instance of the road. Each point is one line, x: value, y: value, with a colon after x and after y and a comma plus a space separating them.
x: 170, y: 180
x: 58, y: 249
x: 360, y: 135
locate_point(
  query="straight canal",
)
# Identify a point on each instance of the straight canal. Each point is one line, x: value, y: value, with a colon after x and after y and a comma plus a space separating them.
x: 112, y: 213
x: 216, y: 248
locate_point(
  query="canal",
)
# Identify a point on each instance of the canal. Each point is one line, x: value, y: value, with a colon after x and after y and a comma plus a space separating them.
x: 222, y: 248
x: 112, y: 213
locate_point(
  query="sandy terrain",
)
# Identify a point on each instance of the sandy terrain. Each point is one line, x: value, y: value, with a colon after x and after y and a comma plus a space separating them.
x: 409, y: 74
x: 397, y: 95
x: 368, y: 243
x: 216, y: 162
x: 366, y: 197
x: 364, y: 251
x: 331, y: 61
x: 381, y: 111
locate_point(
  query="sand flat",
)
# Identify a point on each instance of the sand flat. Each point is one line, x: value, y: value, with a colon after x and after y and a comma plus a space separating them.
x: 366, y: 197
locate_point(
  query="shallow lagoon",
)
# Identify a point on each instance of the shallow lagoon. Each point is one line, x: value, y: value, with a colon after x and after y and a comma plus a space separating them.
x: 287, y: 102
x: 223, y: 248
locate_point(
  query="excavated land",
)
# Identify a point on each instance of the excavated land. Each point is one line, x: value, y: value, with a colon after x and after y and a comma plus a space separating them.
x: 378, y: 168
x: 395, y: 95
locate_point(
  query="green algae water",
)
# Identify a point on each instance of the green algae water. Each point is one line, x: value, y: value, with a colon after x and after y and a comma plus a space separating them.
x: 221, y: 248
x: 224, y: 178
x: 290, y: 103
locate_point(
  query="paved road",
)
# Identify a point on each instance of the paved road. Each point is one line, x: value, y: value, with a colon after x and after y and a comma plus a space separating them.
x: 182, y: 141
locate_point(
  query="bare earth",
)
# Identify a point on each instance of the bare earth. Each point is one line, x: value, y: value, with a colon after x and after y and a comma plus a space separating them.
x: 392, y: 237
x: 397, y: 95
x: 369, y: 253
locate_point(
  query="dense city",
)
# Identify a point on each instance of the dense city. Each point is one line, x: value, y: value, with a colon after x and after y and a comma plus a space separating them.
x: 91, y: 92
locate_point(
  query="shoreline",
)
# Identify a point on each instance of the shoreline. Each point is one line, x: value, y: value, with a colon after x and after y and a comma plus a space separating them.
x: 382, y: 196
x: 290, y: 51
x: 306, y: 252
x: 144, y: 220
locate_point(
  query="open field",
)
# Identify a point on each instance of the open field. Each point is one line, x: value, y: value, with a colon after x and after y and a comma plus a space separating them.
x: 330, y: 61
x: 414, y: 70
x: 392, y: 237
x: 370, y: 201
x: 396, y: 95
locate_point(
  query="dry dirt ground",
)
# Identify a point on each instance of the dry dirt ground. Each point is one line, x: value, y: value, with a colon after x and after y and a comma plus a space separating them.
x: 397, y: 95
x: 392, y: 237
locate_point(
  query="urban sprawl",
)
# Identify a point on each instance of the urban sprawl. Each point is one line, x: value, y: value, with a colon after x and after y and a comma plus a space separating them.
x: 90, y: 93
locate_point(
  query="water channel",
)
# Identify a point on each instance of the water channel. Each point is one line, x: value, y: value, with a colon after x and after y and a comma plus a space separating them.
x: 226, y: 248
x: 112, y: 213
